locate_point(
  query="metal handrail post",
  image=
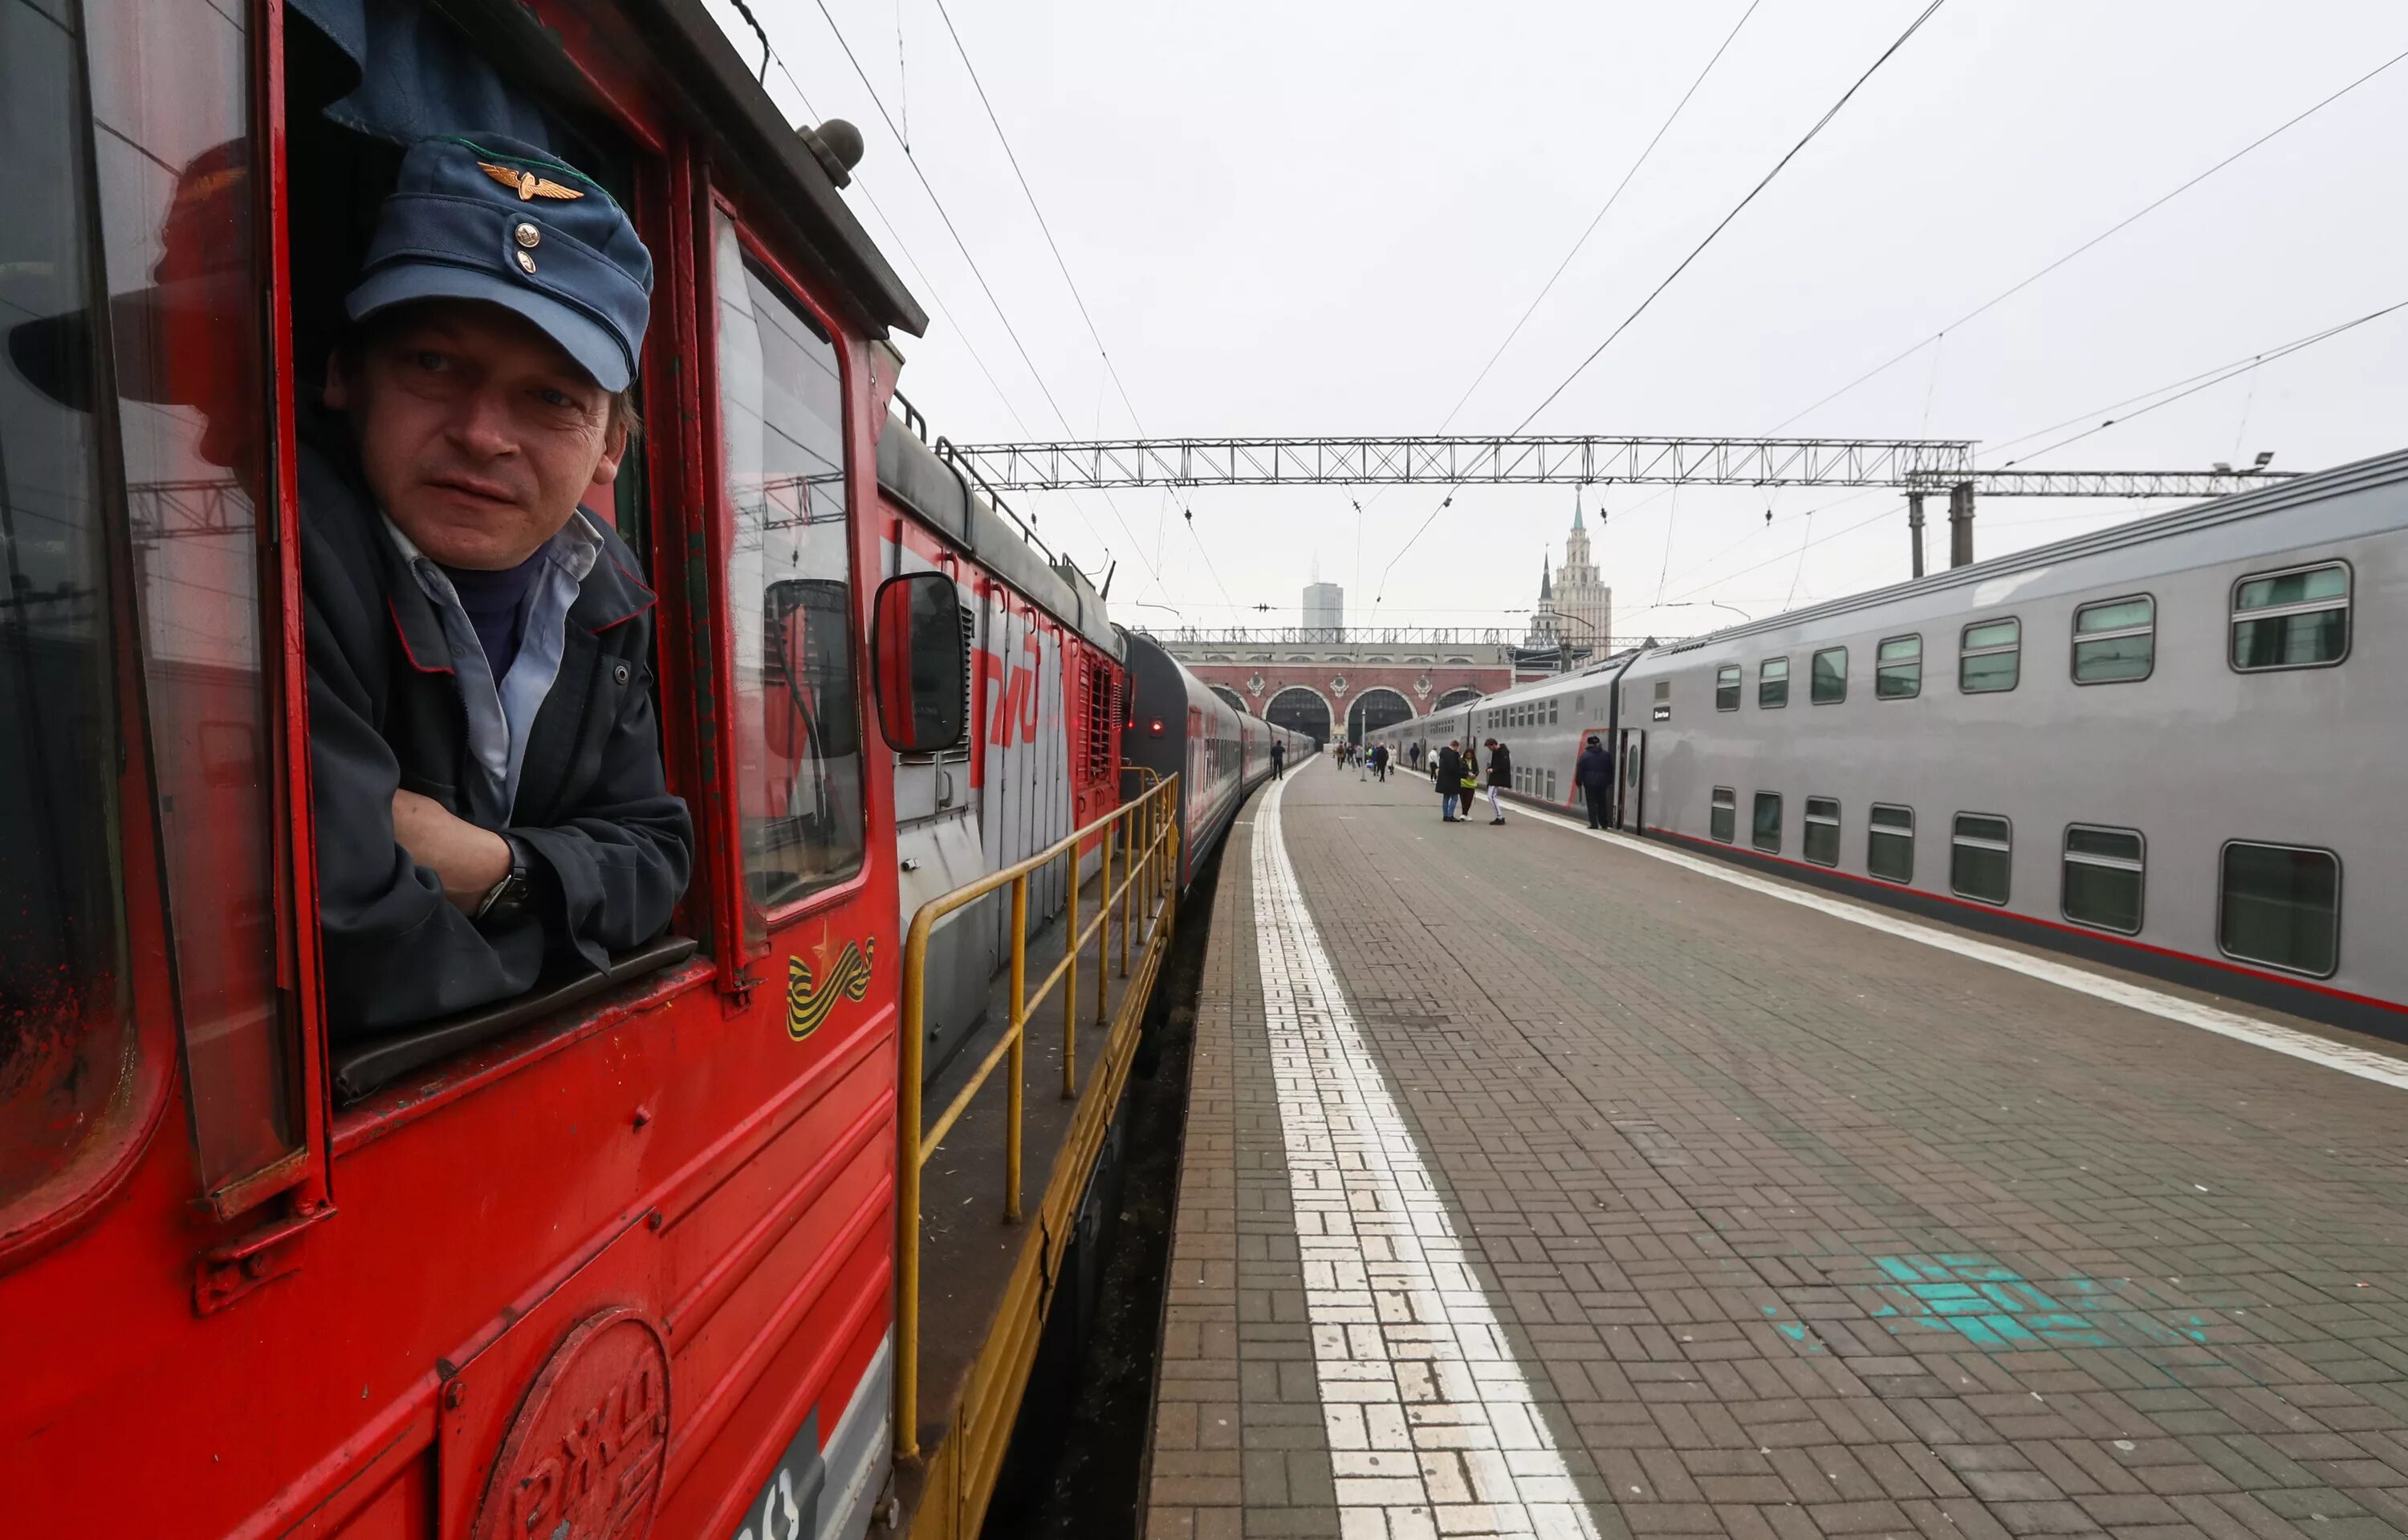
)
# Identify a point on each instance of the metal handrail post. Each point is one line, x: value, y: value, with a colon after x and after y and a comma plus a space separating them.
x: 1019, y: 1040
x: 1104, y: 931
x: 1128, y: 882
x: 906, y: 1189
x: 1070, y: 988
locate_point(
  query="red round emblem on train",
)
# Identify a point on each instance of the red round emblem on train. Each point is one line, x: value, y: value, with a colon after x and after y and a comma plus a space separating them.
x: 582, y: 1459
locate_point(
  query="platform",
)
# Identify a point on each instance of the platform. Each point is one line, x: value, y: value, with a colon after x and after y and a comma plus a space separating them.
x: 1543, y: 1182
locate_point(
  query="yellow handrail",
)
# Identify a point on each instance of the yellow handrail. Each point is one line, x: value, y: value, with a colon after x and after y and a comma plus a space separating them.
x: 1149, y: 827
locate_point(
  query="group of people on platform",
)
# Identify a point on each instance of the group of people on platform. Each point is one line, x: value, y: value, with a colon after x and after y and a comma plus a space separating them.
x: 1371, y: 763
x: 1459, y: 770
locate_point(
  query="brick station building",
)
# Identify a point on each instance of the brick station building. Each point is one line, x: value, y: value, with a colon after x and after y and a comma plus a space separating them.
x: 1328, y: 682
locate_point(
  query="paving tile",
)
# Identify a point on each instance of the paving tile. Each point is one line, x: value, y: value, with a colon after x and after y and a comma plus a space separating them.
x: 1798, y: 1227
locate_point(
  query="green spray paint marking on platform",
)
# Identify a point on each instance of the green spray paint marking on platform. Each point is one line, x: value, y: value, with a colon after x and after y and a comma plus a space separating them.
x: 1997, y: 1310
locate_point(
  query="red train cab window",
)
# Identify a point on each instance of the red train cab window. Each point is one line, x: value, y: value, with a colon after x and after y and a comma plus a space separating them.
x: 132, y: 452
x: 790, y: 591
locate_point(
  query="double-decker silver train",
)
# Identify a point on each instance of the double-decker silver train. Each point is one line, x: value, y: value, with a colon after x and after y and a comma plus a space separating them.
x: 2164, y: 744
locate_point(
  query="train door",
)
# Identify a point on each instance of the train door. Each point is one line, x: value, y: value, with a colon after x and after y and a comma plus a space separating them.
x: 1629, y: 807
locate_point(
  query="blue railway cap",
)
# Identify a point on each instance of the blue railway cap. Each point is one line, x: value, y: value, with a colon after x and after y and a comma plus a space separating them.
x: 496, y: 220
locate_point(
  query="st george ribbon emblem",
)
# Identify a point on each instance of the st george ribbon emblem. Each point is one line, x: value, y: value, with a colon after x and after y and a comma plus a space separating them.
x: 811, y: 995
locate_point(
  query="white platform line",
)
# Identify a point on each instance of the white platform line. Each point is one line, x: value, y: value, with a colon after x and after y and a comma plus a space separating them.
x: 2366, y: 1065
x: 1431, y: 1420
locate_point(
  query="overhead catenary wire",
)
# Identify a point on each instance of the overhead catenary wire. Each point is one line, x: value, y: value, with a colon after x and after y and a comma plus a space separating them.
x: 1548, y: 287
x: 1598, y: 352
x: 945, y: 215
x: 2124, y: 224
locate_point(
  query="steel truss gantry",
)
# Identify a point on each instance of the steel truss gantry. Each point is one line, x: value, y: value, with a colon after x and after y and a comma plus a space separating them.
x: 2102, y: 483
x: 1444, y: 460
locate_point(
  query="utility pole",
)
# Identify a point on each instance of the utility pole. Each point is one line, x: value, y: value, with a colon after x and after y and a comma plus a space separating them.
x: 1914, y: 527
x: 1961, y: 525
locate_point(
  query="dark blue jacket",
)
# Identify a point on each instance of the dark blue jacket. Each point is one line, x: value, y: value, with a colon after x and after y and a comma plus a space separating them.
x: 1595, y: 768
x: 611, y: 847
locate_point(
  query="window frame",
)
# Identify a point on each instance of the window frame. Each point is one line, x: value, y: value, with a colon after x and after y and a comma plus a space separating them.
x: 1764, y: 687
x: 1881, y: 668
x: 1723, y: 799
x: 2348, y: 608
x: 1965, y: 653
x: 1874, y: 828
x: 2073, y: 653
x: 1755, y: 835
x: 2005, y: 847
x: 1730, y: 677
x: 1806, y: 840
x: 2223, y: 854
x: 1813, y: 679
x: 738, y: 944
x: 2140, y: 866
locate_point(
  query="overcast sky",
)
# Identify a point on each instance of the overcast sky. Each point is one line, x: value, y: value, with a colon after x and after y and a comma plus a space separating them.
x: 1301, y: 217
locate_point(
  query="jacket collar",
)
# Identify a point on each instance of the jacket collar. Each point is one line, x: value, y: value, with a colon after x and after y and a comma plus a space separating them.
x: 610, y: 594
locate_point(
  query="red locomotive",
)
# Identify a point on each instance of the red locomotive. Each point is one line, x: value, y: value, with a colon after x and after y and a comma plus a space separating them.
x: 620, y: 1256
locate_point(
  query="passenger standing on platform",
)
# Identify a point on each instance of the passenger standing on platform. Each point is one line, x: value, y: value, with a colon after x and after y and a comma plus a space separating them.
x: 1595, y: 773
x: 1446, y: 774
x: 1470, y: 785
x: 1417, y: 755
x: 1379, y: 761
x: 1279, y: 761
x: 1501, y: 775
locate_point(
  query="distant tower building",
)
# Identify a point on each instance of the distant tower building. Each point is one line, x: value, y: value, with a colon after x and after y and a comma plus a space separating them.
x: 1584, y: 603
x: 1544, y: 632
x: 1324, y: 607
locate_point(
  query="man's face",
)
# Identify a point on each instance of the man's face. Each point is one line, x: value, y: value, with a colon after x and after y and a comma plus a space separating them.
x: 477, y: 434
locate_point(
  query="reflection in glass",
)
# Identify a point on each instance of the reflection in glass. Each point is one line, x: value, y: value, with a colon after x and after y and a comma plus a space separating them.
x: 1823, y: 830
x: 1724, y: 821
x: 1897, y: 669
x: 1726, y: 687
x: 64, y: 1033
x: 1889, y: 843
x: 2103, y: 874
x: 2282, y: 906
x: 170, y: 111
x: 1830, y: 682
x: 797, y: 718
x: 1772, y: 684
x: 1991, y: 658
x: 1978, y: 858
x: 2292, y: 620
x: 1765, y: 827
x: 2115, y: 642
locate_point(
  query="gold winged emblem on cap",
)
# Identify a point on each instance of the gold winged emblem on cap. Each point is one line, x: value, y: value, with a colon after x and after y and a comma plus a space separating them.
x: 527, y: 184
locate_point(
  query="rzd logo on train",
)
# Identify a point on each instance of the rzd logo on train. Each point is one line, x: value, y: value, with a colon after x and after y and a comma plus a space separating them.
x: 811, y: 994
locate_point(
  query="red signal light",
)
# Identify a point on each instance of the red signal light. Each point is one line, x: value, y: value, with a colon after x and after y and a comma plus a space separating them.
x: 1157, y: 727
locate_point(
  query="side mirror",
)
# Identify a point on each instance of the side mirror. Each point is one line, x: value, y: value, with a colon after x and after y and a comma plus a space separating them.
x: 921, y: 661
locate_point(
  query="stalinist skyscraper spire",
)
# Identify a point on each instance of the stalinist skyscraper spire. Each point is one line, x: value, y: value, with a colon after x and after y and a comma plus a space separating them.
x: 1583, y: 604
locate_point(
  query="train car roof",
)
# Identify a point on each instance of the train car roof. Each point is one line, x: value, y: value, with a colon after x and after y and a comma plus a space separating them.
x: 718, y: 93
x: 912, y: 474
x: 2291, y: 497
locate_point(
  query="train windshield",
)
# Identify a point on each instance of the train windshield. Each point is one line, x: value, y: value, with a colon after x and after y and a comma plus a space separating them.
x: 64, y: 1030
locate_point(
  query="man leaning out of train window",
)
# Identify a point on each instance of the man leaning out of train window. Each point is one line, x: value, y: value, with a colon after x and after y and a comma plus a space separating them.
x: 491, y: 807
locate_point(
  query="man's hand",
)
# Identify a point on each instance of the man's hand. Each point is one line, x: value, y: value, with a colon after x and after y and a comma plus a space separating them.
x: 469, y: 859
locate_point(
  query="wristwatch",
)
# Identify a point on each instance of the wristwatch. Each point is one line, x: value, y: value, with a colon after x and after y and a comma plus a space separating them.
x: 508, y: 898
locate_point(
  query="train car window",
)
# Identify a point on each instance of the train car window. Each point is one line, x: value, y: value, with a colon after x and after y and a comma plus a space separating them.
x: 1823, y: 830
x: 66, y: 1038
x: 1723, y: 824
x: 2291, y: 620
x: 1889, y: 842
x: 2280, y: 905
x: 2104, y: 869
x: 797, y: 718
x: 1981, y: 851
x: 1726, y: 687
x: 1990, y: 657
x: 1764, y: 822
x: 2115, y: 642
x: 1772, y: 684
x: 1897, y: 669
x: 1550, y: 785
x: 171, y: 109
x: 1551, y: 712
x: 1828, y: 683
